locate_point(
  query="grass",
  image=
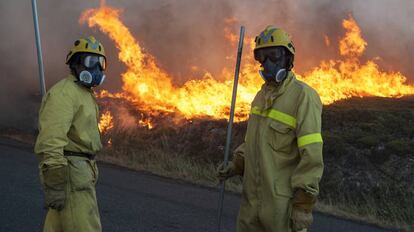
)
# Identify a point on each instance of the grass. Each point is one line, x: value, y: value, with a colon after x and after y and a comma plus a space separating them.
x: 156, y: 160
x: 175, y: 166
x: 364, y: 208
x: 368, y: 155
x: 369, y: 208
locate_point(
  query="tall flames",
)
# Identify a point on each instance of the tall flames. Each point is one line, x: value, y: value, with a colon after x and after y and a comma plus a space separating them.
x: 150, y: 88
x: 348, y: 77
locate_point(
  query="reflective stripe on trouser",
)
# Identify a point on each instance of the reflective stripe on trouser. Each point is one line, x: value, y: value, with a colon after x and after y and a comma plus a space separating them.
x: 81, y: 209
x: 273, y: 216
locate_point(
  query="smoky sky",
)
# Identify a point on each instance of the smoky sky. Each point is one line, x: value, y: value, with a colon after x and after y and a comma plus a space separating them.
x: 185, y: 33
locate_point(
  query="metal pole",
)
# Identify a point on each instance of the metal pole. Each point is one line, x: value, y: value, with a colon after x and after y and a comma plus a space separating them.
x: 39, y: 49
x: 229, y: 128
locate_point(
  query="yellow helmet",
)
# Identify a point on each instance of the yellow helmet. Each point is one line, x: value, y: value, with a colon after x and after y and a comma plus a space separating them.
x: 272, y: 37
x: 89, y: 45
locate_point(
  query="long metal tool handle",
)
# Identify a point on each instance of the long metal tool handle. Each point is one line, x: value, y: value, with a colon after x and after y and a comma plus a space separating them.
x: 230, y: 126
x: 39, y: 48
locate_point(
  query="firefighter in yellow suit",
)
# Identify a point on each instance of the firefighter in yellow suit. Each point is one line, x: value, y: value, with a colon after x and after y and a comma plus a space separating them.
x: 68, y: 141
x: 281, y: 157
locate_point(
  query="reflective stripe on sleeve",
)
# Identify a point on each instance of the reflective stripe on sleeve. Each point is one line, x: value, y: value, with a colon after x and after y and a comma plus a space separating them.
x: 310, y: 138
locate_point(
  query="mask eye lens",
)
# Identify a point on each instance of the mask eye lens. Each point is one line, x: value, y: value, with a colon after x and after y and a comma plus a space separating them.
x: 87, y: 61
x: 91, y: 61
x: 102, y: 62
x: 275, y: 54
x: 260, y: 56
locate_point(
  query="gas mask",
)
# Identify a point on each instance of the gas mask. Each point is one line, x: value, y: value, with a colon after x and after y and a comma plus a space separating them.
x: 274, y: 62
x: 92, y: 75
x: 272, y: 71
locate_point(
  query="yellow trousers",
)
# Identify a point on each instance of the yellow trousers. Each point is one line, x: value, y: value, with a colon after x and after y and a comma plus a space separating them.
x: 269, y: 215
x: 80, y: 213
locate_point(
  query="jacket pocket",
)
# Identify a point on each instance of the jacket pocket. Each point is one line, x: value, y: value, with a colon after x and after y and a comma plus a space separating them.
x: 281, y: 137
x: 81, y: 175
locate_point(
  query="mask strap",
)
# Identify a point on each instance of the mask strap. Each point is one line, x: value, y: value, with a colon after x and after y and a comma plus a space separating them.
x: 102, y: 79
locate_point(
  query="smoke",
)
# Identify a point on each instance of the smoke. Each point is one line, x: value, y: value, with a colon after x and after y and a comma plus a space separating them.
x: 384, y: 24
x: 183, y: 34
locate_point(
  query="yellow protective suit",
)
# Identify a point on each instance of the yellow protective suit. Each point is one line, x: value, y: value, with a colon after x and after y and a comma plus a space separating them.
x: 68, y: 121
x: 282, y: 152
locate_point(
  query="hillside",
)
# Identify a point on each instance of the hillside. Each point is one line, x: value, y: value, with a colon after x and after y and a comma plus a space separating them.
x: 368, y: 154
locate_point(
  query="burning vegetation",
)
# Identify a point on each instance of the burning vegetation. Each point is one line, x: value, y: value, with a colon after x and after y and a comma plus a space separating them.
x: 366, y: 144
x: 150, y: 89
x: 106, y: 122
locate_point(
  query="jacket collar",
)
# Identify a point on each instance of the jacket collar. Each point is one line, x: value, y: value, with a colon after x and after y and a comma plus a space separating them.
x: 272, y: 90
x: 75, y: 80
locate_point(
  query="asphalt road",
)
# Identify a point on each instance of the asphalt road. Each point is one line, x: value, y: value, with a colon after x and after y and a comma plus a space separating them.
x: 128, y: 200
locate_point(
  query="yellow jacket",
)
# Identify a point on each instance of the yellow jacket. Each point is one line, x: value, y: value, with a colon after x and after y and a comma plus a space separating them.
x: 68, y: 120
x: 282, y: 152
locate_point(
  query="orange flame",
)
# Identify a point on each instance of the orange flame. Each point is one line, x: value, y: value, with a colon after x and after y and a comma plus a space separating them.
x: 151, y: 89
x: 352, y: 45
x: 145, y: 122
x: 105, y: 123
x: 341, y: 79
